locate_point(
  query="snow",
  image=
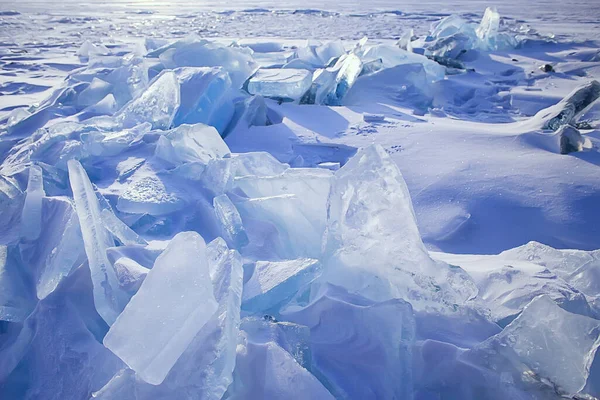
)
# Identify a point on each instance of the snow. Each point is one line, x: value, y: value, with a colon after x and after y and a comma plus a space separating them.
x: 399, y: 200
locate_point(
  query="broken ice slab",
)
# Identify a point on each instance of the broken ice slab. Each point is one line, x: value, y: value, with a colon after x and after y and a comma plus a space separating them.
x: 196, y: 52
x: 191, y: 143
x: 392, y: 56
x: 319, y: 55
x: 231, y: 222
x: 569, y: 109
x: 55, y: 356
x: 487, y: 31
x: 273, y: 282
x: 204, y: 370
x: 100, y: 142
x: 287, y: 84
x: 17, y: 298
x: 106, y: 106
x: 88, y: 49
x: 577, y: 267
x: 119, y: 229
x: 149, y: 195
x: 96, y: 91
x: 156, y: 105
x: 11, y: 203
x: 507, y: 283
x: 108, y: 297
x: 264, y: 370
x: 60, y: 252
x: 31, y: 218
x: 376, y: 252
x: 293, y: 338
x: 557, y: 346
x: 220, y: 173
x: 355, y: 346
x: 130, y: 274
x: 330, y: 85
x: 252, y: 111
x: 205, y: 97
x: 277, y: 226
x: 174, y: 302
x: 309, y: 186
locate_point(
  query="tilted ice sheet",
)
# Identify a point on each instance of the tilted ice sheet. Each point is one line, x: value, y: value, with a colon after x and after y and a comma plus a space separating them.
x: 108, y: 297
x: 175, y: 301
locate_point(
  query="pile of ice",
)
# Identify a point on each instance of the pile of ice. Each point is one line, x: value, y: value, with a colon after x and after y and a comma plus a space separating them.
x: 453, y: 36
x: 141, y: 259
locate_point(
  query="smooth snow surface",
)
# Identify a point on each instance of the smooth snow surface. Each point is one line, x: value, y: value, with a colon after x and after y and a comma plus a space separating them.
x: 299, y: 200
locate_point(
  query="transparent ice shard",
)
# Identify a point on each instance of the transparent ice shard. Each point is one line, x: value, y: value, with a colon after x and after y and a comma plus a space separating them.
x: 288, y: 84
x: 220, y: 173
x: 231, y: 222
x: 108, y: 297
x: 65, y: 256
x: 119, y: 229
x: 204, y: 370
x: 373, y: 246
x: 55, y: 355
x: 264, y: 370
x: 552, y: 343
x: 205, y: 97
x: 392, y: 56
x: 96, y: 91
x: 31, y: 219
x: 16, y: 291
x: 487, y: 31
x: 106, y: 106
x: 11, y: 203
x: 191, y: 143
x: 195, y: 52
x: 273, y: 282
x: 356, y: 347
x: 175, y: 301
x: 156, y: 105
x: 250, y: 112
x: 278, y: 227
x: 581, y: 269
x: 130, y: 274
x: 310, y: 188
x: 330, y: 85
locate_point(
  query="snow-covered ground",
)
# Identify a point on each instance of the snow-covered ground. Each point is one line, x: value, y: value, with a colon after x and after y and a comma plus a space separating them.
x: 287, y: 211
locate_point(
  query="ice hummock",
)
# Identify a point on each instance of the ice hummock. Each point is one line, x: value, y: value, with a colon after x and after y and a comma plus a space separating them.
x: 369, y: 214
x: 453, y: 36
x: 287, y: 84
